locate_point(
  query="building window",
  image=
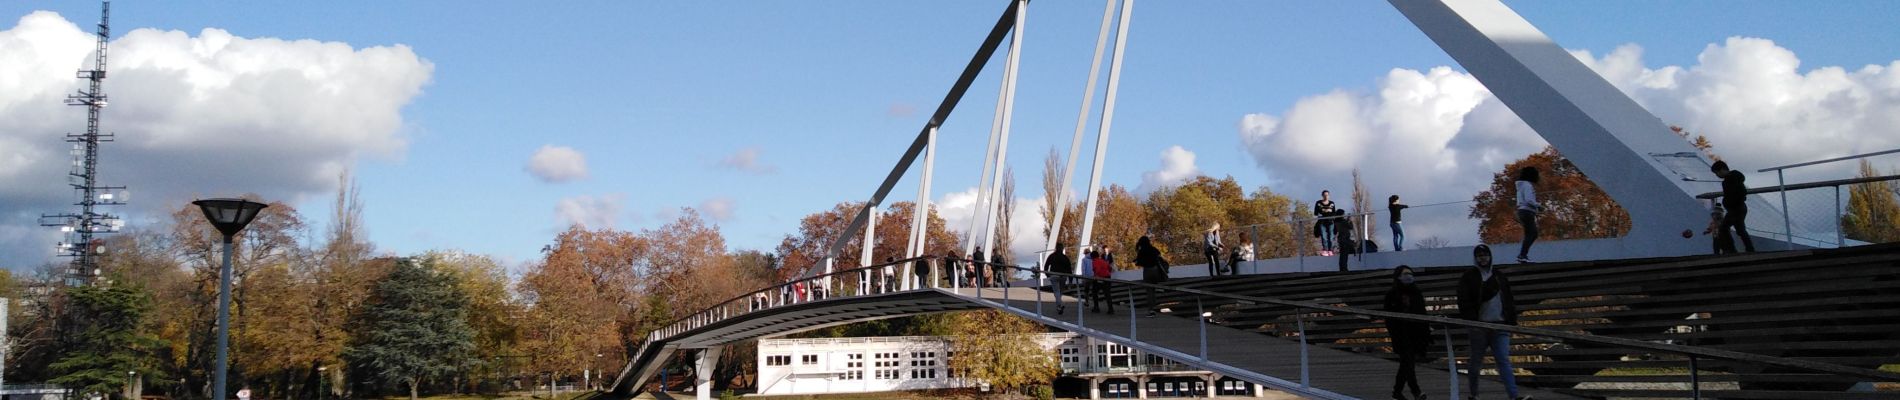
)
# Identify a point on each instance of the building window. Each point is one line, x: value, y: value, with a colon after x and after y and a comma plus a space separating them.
x: 778, y: 361
x: 1071, y: 355
x: 923, y: 373
x: 854, y: 367
x: 886, y: 366
x: 923, y: 359
x: 808, y: 359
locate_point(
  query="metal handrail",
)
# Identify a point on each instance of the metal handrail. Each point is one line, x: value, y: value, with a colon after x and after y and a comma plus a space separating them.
x: 1884, y: 152
x: 775, y: 289
x: 1807, y: 185
x: 1691, y: 351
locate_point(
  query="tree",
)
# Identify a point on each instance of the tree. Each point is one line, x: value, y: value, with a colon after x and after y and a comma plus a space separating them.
x: 586, y: 278
x: 1873, y: 214
x: 103, y: 339
x: 1000, y: 349
x: 1052, y: 190
x: 1177, y: 216
x: 1006, y: 207
x: 492, y: 311
x: 414, y: 328
x: 1362, y: 203
x: 1574, y: 207
x: 803, y: 251
x: 1120, y: 220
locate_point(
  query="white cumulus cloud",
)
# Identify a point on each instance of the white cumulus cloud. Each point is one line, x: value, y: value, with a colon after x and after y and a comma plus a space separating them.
x: 1437, y: 135
x: 556, y: 164
x: 195, y: 115
x: 1177, y: 165
x: 601, y: 212
x: 1025, y: 228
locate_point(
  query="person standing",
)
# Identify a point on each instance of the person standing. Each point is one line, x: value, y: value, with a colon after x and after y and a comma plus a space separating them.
x: 1342, y: 229
x: 1527, y: 210
x: 1104, y: 266
x: 1735, y: 199
x: 1085, y: 267
x: 1154, y: 270
x: 1210, y: 247
x: 952, y: 267
x: 1485, y: 296
x: 1324, y: 227
x: 1059, y: 263
x: 1409, y: 338
x: 1393, y: 205
x: 1000, y: 268
x: 976, y: 268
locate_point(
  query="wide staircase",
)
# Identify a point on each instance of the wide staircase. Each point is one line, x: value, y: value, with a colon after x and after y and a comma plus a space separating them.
x: 1837, y: 306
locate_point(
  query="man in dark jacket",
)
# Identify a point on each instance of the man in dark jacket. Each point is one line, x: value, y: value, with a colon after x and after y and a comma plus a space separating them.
x: 1409, y: 339
x: 1154, y: 270
x: 1059, y: 263
x: 1485, y: 296
x: 1735, y: 200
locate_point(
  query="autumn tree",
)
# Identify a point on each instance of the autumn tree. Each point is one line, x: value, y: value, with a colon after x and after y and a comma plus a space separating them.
x: 1005, y: 208
x: 1120, y: 220
x: 1574, y: 207
x: 414, y: 328
x: 1362, y: 203
x: 270, y: 241
x: 586, y: 278
x: 1873, y: 214
x: 1177, y: 216
x: 1000, y: 349
x: 801, y: 252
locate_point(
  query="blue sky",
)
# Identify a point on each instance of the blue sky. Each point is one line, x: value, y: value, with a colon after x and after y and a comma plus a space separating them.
x: 657, y: 94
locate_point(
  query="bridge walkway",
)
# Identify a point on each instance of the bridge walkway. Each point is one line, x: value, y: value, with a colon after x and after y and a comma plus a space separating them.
x: 1234, y: 351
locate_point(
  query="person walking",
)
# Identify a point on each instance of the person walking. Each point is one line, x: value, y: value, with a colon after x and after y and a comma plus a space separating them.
x: 1393, y: 205
x: 1059, y: 263
x: 1485, y: 296
x: 952, y: 267
x: 1084, y: 267
x: 1409, y: 338
x: 1324, y: 227
x: 1342, y: 229
x: 1104, y: 268
x: 1210, y: 247
x: 1735, y: 199
x: 1154, y: 270
x: 1527, y: 210
x: 1724, y: 244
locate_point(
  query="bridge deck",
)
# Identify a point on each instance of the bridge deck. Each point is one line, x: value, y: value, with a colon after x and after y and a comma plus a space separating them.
x: 1337, y: 371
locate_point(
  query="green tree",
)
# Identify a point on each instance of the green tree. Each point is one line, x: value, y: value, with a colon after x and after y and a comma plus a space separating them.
x: 414, y: 328
x: 1001, y: 349
x: 1873, y: 214
x: 103, y: 339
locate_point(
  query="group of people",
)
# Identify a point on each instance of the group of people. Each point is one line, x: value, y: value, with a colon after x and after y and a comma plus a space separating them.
x: 1096, y: 269
x: 1484, y: 295
x: 1214, y: 249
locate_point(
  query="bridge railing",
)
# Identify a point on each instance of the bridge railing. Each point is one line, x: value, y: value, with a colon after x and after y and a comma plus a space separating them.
x: 885, y: 278
x: 1202, y: 304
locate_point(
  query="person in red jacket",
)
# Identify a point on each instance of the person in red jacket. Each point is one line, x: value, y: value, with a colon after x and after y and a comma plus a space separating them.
x: 1485, y: 296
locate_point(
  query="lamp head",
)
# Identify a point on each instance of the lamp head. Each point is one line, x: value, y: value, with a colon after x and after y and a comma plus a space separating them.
x: 229, y: 215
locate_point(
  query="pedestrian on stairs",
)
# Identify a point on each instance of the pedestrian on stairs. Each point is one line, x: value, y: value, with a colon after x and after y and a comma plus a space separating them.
x: 1409, y: 338
x: 1485, y: 296
x: 1059, y: 263
x: 1104, y: 268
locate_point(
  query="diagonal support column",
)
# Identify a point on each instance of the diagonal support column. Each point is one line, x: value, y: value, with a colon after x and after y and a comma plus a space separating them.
x: 703, y: 372
x: 1611, y: 138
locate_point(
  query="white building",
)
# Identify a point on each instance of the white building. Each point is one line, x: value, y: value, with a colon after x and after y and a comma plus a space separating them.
x: 1090, y: 367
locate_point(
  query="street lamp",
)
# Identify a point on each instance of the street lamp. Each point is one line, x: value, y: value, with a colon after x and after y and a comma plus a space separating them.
x: 229, y: 216
x: 322, y: 380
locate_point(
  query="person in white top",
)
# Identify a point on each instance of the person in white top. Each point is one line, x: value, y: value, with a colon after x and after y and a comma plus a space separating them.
x: 1527, y: 210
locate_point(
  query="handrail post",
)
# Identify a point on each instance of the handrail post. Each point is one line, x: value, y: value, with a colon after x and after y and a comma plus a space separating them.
x: 1840, y: 232
x: 1132, y: 333
x: 1201, y: 314
x: 1451, y: 362
x: 1695, y: 380
x: 1299, y: 316
x: 1787, y: 224
x: 1039, y: 300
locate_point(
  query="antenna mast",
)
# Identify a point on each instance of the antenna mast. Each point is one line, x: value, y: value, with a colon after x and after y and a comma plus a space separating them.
x: 83, y: 178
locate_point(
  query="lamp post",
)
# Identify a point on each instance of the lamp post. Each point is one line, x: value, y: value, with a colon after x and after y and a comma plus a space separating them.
x: 322, y: 379
x: 229, y: 216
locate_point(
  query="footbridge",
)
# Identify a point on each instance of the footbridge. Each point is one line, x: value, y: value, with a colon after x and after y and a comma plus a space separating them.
x: 1687, y: 327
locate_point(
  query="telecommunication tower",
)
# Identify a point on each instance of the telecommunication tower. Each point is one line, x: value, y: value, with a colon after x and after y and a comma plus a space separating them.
x: 80, y: 227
